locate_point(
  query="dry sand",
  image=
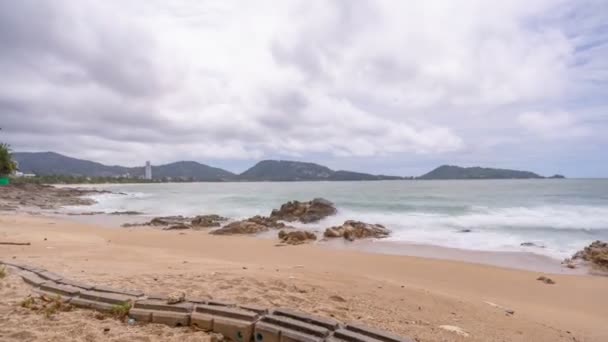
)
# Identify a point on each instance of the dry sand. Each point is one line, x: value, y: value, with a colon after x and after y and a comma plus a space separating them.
x: 407, y: 295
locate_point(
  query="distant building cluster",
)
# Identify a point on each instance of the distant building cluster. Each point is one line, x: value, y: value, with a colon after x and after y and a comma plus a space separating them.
x: 148, y: 171
x: 21, y: 174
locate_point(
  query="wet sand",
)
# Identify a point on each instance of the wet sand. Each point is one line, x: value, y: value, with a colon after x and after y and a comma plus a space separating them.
x: 411, y: 296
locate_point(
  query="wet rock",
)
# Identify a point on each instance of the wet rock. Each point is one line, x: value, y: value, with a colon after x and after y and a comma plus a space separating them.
x: 546, y: 280
x: 181, y: 222
x: 252, y: 225
x: 465, y: 231
x: 128, y: 212
x: 352, y: 230
x: 595, y: 254
x: 530, y: 244
x: 168, y: 220
x: 206, y: 221
x: 129, y: 225
x: 44, y: 196
x: 178, y: 226
x: 305, y: 212
x: 296, y: 237
x: 86, y: 213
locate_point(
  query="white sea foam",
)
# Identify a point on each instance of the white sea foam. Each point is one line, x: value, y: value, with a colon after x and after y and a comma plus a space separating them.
x: 563, y: 216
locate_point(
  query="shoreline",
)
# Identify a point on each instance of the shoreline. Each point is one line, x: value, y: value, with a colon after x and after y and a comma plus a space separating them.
x: 411, y: 296
x: 528, y: 261
x: 73, y: 200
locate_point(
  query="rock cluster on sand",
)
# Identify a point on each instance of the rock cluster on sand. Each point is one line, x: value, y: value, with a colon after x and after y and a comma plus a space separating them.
x: 296, y: 237
x: 305, y: 212
x: 182, y: 222
x: 252, y: 225
x: 207, y: 221
x: 352, y: 230
x: 44, y: 196
x: 596, y: 254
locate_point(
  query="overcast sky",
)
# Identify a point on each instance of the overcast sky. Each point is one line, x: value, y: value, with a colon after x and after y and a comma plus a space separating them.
x: 394, y: 87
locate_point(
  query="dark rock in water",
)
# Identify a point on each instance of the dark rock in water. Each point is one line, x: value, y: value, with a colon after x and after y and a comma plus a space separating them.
x: 206, y: 221
x: 128, y: 212
x: 596, y: 254
x: 530, y: 244
x: 352, y: 230
x: 296, y: 237
x: 181, y: 222
x: 178, y: 226
x: 305, y: 212
x: 465, y: 231
x: 252, y: 225
x: 168, y: 220
x: 129, y: 225
x: 86, y: 213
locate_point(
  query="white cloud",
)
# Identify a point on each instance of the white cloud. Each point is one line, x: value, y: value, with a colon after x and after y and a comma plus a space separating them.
x: 552, y: 125
x: 239, y: 80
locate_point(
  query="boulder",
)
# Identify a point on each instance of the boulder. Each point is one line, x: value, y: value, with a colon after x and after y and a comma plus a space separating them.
x: 596, y: 254
x: 168, y: 220
x: 305, y: 212
x: 176, y: 297
x: 128, y: 212
x: 206, y: 221
x: 252, y: 225
x: 178, y: 226
x: 530, y: 244
x: 352, y: 230
x: 181, y: 222
x: 296, y: 237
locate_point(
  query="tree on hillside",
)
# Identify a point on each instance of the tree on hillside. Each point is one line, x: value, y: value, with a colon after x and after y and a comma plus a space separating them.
x: 7, y: 164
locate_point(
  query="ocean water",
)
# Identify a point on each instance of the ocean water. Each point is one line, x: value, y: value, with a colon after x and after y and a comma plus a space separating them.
x: 561, y: 215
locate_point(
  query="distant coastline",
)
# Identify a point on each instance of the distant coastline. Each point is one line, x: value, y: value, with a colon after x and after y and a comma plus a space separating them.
x: 54, y: 168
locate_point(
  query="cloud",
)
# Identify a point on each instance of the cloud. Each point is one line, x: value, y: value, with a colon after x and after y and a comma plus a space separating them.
x: 334, y: 79
x: 556, y: 125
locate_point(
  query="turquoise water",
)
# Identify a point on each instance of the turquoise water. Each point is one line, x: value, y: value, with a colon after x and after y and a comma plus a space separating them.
x: 562, y: 215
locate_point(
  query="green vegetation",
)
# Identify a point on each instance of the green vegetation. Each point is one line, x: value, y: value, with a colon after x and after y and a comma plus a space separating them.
x: 7, y: 165
x: 120, y: 311
x: 63, y: 179
x: 28, y: 303
x: 457, y: 172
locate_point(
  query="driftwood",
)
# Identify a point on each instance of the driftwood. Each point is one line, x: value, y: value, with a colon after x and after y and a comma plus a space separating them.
x: 15, y: 243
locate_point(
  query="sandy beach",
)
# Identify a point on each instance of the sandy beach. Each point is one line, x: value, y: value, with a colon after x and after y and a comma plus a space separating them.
x: 411, y: 296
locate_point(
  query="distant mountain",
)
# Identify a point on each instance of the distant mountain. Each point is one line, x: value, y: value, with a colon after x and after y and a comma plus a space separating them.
x: 284, y: 170
x: 358, y: 176
x: 457, y: 172
x: 54, y: 164
x: 191, y: 170
x: 50, y: 163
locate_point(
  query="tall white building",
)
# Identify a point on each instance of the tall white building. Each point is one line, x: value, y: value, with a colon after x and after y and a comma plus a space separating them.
x: 148, y: 173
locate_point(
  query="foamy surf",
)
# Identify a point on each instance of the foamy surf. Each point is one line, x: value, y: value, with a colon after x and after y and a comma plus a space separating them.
x: 556, y: 217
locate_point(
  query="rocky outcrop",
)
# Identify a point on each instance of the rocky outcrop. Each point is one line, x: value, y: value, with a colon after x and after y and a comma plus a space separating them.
x: 41, y: 196
x: 168, y: 221
x: 296, y: 237
x: 252, y: 225
x: 207, y: 221
x: 305, y: 212
x: 181, y: 222
x: 596, y: 254
x: 352, y: 230
x: 127, y: 212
